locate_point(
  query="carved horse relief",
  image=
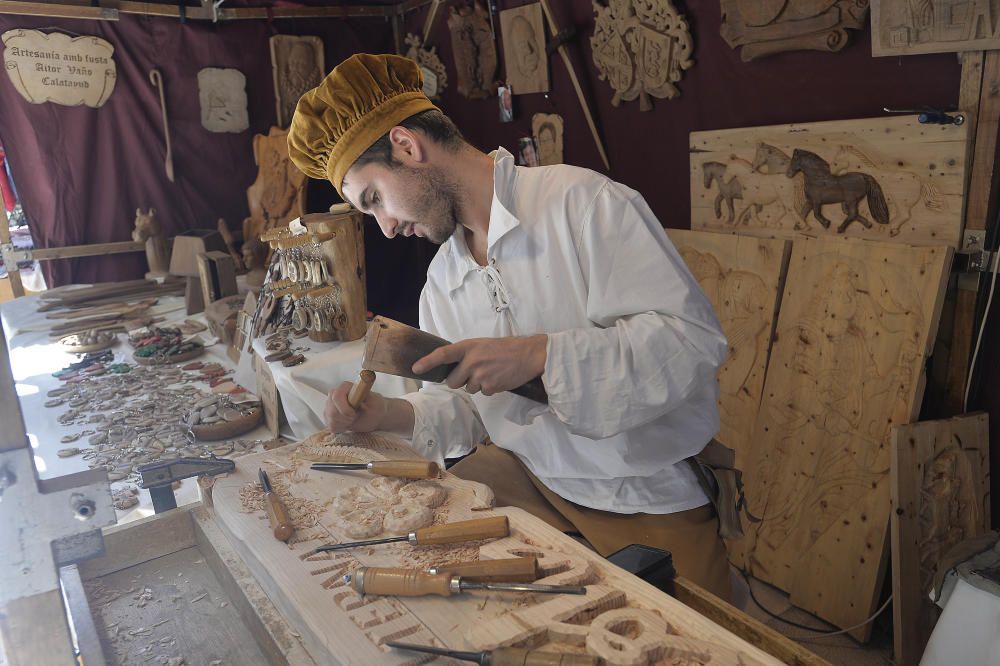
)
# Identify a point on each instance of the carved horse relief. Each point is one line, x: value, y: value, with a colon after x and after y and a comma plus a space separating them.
x: 767, y: 200
x: 824, y: 187
x: 641, y: 47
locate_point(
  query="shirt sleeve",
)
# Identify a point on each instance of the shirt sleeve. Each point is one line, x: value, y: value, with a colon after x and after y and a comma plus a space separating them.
x: 655, y: 338
x: 446, y: 423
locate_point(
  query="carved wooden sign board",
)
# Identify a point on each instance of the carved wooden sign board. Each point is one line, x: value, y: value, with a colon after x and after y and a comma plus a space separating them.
x: 766, y: 27
x: 890, y: 179
x: 547, y: 128
x: 525, y: 60
x: 641, y: 47
x: 297, y: 67
x: 621, y: 618
x: 474, y: 49
x: 909, y: 27
x: 223, y: 97
x: 58, y: 68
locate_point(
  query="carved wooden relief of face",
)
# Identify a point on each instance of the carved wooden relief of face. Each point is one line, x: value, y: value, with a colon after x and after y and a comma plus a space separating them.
x: 525, y: 45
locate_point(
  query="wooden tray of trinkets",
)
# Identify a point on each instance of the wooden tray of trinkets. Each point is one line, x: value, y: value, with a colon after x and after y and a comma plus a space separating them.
x: 219, y: 417
x: 89, y: 341
x: 172, y: 358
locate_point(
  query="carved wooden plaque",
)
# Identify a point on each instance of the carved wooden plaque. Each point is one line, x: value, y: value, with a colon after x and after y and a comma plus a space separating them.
x: 58, y: 68
x: 431, y: 67
x: 547, y: 128
x: 223, y: 97
x: 908, y: 27
x: 525, y: 60
x: 297, y: 65
x: 641, y: 47
x: 856, y: 325
x: 474, y: 49
x: 940, y: 497
x: 276, y: 197
x: 766, y: 27
x: 890, y: 179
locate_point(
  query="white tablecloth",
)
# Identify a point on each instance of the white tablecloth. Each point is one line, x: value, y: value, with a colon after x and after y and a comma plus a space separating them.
x: 968, y: 631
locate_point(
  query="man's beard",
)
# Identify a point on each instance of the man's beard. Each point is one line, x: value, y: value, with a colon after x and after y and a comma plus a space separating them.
x: 436, y: 202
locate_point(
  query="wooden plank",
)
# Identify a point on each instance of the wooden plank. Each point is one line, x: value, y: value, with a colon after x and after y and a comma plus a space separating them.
x: 55, y: 10
x: 12, y: 434
x: 140, y: 541
x: 339, y: 626
x: 752, y: 630
x: 16, y: 287
x: 940, y: 496
x: 96, y: 249
x: 900, y: 27
x: 87, y: 638
x: 981, y: 180
x: 857, y: 321
x: 33, y: 630
x: 904, y: 180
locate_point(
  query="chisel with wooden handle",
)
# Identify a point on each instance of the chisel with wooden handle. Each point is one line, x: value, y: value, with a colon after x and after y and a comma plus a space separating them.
x: 404, y: 469
x: 359, y: 392
x: 509, y: 570
x: 277, y: 514
x: 395, y: 582
x: 505, y: 656
x: 465, y: 530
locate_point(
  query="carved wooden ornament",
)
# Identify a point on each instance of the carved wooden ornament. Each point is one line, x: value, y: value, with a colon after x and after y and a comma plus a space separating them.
x: 277, y: 195
x: 297, y: 65
x: 434, y: 73
x: 223, y: 97
x: 524, y: 49
x: 547, y: 128
x: 640, y: 47
x: 474, y: 49
x: 57, y: 68
x: 766, y: 27
x: 908, y: 27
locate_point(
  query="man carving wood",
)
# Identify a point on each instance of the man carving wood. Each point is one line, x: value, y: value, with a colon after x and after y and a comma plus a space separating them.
x: 556, y: 272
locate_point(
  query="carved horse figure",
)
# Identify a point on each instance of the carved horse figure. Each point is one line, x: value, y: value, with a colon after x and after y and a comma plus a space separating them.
x: 715, y: 172
x: 823, y: 187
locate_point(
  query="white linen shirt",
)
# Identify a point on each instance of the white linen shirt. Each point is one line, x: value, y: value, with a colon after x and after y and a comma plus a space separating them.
x: 633, y: 344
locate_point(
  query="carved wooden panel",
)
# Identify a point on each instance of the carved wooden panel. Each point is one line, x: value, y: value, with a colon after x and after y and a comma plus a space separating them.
x: 431, y: 67
x: 621, y: 618
x: 743, y: 278
x: 908, y: 27
x: 547, y: 128
x: 297, y: 66
x: 474, y: 49
x: 890, y: 179
x: 276, y: 197
x: 857, y: 322
x: 766, y: 27
x: 525, y: 60
x: 641, y: 47
x: 223, y: 97
x: 940, y: 497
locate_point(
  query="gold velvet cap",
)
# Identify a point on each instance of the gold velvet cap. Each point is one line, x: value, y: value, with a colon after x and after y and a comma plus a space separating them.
x: 356, y: 104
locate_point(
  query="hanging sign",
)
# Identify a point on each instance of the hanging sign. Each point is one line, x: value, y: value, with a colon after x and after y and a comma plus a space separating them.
x: 59, y: 68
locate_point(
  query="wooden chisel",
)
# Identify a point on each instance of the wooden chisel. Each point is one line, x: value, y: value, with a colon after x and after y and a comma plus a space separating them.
x: 509, y: 570
x: 277, y: 514
x: 465, y: 530
x: 404, y: 469
x: 505, y: 656
x: 396, y: 582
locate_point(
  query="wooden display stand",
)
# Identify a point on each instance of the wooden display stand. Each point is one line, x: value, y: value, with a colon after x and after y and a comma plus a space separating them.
x: 217, y: 274
x: 342, y: 241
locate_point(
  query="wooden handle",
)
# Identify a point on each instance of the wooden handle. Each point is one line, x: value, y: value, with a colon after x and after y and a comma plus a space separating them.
x: 400, y: 582
x: 464, y: 530
x: 509, y: 570
x: 278, y: 515
x: 533, y: 390
x: 361, y: 389
x: 522, y: 657
x: 407, y: 469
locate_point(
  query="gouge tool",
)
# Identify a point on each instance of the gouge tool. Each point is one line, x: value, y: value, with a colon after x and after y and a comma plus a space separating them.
x: 505, y: 656
x: 404, y: 469
x: 277, y: 514
x: 465, y: 530
x: 394, y: 582
x: 509, y: 570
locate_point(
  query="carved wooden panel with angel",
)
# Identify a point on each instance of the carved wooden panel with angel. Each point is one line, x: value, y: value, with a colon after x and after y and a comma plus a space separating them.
x: 297, y: 66
x: 879, y: 179
x: 524, y: 56
x: 474, y: 49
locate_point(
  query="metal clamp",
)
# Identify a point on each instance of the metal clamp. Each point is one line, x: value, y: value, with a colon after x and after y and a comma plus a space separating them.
x: 929, y: 116
x: 973, y: 257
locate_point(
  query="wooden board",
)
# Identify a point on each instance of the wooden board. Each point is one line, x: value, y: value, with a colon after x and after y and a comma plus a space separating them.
x: 905, y: 180
x: 902, y: 27
x: 857, y: 321
x: 340, y: 627
x: 940, y: 496
x: 525, y: 60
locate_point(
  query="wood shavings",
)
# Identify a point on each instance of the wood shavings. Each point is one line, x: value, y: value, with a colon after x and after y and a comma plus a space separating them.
x: 200, y: 597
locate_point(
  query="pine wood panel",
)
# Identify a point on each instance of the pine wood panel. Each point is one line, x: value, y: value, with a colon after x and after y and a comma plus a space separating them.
x: 340, y: 627
x: 940, y: 497
x: 857, y: 321
x: 905, y: 179
x: 902, y: 27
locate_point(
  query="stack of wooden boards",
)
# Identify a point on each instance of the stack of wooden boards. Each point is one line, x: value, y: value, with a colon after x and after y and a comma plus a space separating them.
x: 621, y: 618
x: 830, y: 328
